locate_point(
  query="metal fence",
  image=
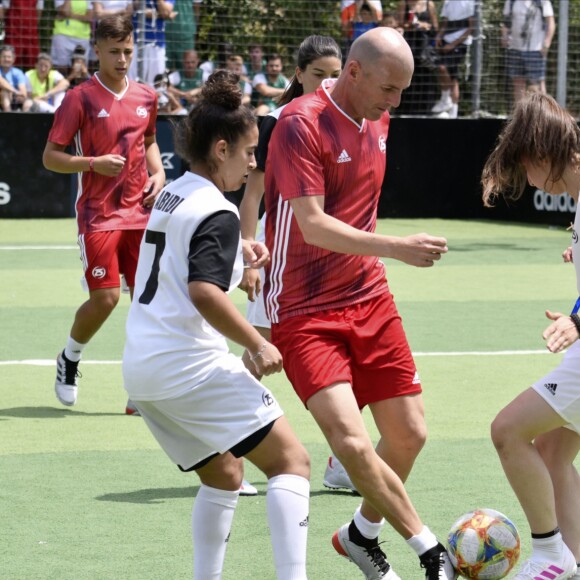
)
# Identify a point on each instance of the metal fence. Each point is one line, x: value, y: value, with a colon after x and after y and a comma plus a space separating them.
x: 215, y: 28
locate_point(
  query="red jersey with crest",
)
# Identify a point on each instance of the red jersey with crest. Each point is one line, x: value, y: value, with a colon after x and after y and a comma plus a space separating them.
x: 102, y: 122
x: 317, y: 149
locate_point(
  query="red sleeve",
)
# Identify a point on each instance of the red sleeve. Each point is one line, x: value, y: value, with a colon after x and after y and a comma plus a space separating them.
x: 68, y: 119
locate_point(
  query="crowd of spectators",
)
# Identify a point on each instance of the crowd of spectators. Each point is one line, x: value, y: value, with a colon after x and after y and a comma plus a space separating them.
x: 165, y: 55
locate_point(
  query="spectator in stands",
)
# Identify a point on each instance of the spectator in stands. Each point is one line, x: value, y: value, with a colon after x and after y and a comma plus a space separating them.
x: 453, y: 38
x: 347, y: 16
x: 78, y: 72
x: 235, y: 64
x: 72, y: 26
x: 14, y: 98
x: 391, y: 20
x: 366, y: 19
x: 420, y: 24
x: 180, y: 32
x: 257, y: 63
x: 47, y: 85
x: 270, y: 86
x: 152, y: 59
x: 527, y: 33
x: 191, y: 79
x: 224, y: 49
x: 21, y: 19
x: 107, y: 7
x: 167, y: 103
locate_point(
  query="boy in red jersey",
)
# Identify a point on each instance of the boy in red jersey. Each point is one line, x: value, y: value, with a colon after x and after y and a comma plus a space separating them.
x: 112, y: 123
x: 333, y: 317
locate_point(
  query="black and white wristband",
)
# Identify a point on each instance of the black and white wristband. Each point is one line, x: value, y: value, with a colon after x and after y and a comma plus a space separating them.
x: 576, y: 320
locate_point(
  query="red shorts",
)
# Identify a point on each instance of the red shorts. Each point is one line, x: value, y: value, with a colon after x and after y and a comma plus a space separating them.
x: 106, y: 255
x: 364, y: 345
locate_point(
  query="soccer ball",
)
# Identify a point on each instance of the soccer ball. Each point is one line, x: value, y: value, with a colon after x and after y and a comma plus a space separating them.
x: 483, y: 544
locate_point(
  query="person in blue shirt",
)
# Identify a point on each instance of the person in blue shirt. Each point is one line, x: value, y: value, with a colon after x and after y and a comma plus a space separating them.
x: 13, y: 92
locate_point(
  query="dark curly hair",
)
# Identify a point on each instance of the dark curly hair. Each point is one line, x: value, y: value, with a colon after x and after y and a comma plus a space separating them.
x: 219, y: 114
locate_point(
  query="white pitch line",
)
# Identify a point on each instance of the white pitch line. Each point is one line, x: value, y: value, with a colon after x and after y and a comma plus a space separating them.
x: 39, y: 247
x: 50, y: 362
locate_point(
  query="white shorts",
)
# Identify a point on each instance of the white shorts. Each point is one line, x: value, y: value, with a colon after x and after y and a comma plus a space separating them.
x: 561, y: 388
x: 256, y: 311
x: 213, y: 416
x: 62, y: 48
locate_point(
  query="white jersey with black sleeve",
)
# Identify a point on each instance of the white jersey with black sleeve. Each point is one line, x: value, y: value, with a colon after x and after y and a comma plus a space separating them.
x: 193, y: 234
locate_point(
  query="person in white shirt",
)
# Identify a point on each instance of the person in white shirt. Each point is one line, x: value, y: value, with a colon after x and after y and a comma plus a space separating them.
x: 527, y: 33
x: 454, y: 36
x: 199, y: 401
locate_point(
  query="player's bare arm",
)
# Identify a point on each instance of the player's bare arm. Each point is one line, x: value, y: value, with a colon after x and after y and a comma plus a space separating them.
x: 219, y: 311
x: 156, y: 179
x: 55, y: 158
x: 322, y: 230
x: 249, y: 211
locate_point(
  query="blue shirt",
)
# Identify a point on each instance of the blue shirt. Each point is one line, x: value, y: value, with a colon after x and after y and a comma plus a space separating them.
x: 14, y: 76
x: 154, y: 31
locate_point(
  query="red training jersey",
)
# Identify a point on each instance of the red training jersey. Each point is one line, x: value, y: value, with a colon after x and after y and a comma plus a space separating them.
x: 102, y: 122
x: 316, y: 149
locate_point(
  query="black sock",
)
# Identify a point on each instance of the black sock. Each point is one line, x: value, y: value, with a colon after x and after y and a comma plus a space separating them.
x: 546, y: 535
x: 356, y: 537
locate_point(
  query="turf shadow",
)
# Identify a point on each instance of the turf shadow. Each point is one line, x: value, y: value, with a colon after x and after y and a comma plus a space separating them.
x: 48, y: 413
x: 151, y: 495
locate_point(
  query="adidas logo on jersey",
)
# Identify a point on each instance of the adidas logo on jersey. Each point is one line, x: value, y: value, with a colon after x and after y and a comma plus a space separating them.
x: 551, y: 387
x: 102, y: 113
x: 343, y: 157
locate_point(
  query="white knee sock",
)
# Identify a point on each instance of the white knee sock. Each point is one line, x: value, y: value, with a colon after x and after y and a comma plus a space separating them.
x: 211, y: 522
x: 287, y: 503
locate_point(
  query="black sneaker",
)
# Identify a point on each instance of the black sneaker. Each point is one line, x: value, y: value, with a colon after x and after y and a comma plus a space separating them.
x: 65, y: 386
x: 437, y: 564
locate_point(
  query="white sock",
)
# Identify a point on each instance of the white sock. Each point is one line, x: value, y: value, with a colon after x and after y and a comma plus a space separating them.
x: 287, y: 503
x: 211, y: 522
x: 73, y: 349
x: 368, y: 529
x: 445, y: 95
x: 423, y: 541
x: 453, y: 112
x: 548, y: 548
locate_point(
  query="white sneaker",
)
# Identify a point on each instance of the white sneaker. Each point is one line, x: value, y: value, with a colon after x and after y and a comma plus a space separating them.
x: 247, y: 488
x: 443, y: 104
x: 532, y: 569
x: 65, y: 386
x: 371, y: 561
x: 453, y: 111
x: 336, y: 477
x: 130, y: 409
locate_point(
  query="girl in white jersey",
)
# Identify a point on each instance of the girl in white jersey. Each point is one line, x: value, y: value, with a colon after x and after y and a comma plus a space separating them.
x: 199, y: 401
x: 537, y: 436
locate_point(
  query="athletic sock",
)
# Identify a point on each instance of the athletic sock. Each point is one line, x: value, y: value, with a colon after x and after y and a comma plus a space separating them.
x: 423, y: 541
x: 548, y: 546
x: 73, y: 350
x: 287, y: 504
x: 211, y: 522
x: 368, y: 530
